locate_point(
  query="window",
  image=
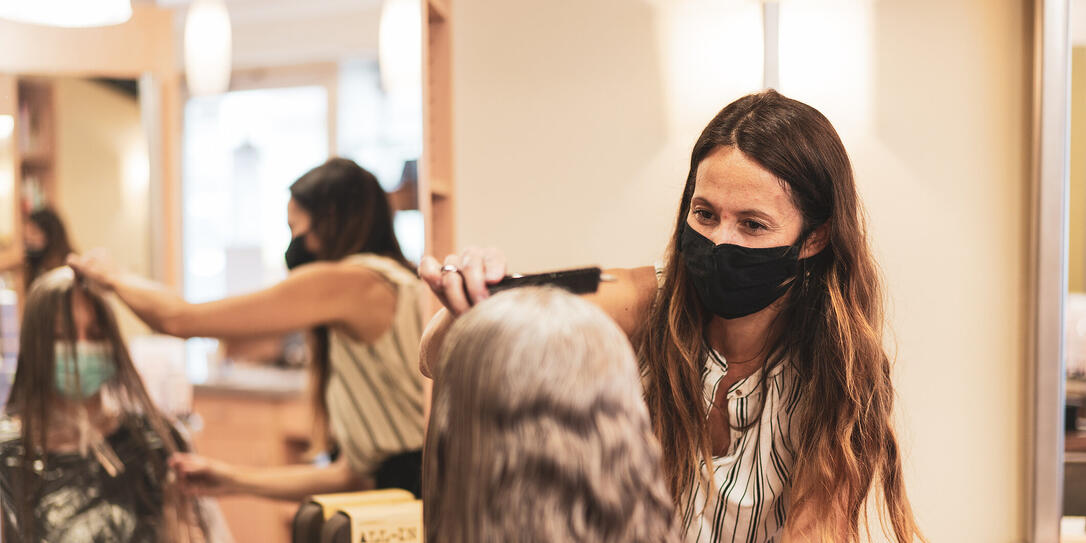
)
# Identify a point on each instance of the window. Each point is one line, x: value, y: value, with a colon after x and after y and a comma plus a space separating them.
x: 242, y: 150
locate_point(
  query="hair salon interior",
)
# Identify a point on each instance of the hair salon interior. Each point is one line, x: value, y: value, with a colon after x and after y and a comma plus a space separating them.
x: 226, y: 225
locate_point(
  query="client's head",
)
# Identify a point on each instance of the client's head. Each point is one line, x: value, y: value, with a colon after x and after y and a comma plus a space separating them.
x: 72, y: 357
x: 71, y: 349
x: 538, y: 430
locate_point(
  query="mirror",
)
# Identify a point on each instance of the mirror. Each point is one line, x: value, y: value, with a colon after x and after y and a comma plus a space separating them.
x: 84, y: 160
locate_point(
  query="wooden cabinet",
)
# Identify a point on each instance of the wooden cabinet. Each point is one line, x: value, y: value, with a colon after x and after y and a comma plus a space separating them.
x: 36, y: 135
x: 11, y: 240
x: 29, y: 166
x: 253, y: 428
x: 436, y: 183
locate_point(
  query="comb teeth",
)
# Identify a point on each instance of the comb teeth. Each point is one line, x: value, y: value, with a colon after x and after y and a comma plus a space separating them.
x: 576, y: 281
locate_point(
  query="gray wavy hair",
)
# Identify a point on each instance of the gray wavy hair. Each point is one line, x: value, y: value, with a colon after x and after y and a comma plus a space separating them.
x: 539, y: 431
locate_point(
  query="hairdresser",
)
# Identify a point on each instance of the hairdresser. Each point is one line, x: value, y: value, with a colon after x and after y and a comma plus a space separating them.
x: 760, y: 341
x: 351, y: 286
x: 46, y: 242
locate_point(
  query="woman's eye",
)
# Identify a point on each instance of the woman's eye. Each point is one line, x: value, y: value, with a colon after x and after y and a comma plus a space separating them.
x: 703, y: 214
x: 754, y: 225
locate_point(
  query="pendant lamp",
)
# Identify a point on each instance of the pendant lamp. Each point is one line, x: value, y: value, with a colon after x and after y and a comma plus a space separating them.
x: 67, y: 13
x: 207, y: 47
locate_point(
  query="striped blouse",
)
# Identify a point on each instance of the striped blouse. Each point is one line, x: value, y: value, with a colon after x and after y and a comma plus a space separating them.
x: 748, y: 497
x: 375, y: 392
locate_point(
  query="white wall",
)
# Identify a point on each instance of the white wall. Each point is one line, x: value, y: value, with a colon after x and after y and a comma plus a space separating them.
x: 573, y: 127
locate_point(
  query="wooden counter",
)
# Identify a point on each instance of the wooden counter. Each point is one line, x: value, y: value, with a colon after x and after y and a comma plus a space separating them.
x: 255, y: 417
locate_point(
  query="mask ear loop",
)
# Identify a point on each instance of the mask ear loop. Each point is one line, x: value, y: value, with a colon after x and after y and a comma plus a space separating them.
x: 804, y: 273
x: 803, y: 267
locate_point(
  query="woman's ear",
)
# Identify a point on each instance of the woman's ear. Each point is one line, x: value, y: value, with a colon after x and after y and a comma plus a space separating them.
x: 816, y: 242
x: 312, y: 242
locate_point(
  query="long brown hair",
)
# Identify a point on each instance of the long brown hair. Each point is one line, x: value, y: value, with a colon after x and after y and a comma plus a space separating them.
x: 57, y: 245
x: 47, y: 320
x: 350, y: 213
x: 833, y: 315
x: 539, y: 431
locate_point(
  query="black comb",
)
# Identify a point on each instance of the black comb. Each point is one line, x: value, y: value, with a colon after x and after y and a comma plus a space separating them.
x: 577, y: 281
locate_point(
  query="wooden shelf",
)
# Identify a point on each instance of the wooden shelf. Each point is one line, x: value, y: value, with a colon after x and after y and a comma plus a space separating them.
x: 39, y: 158
x: 439, y: 10
x: 36, y: 142
x: 437, y: 180
x: 440, y: 187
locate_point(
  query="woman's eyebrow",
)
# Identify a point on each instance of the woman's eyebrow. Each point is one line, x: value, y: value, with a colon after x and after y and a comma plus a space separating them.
x: 758, y: 214
x: 701, y: 200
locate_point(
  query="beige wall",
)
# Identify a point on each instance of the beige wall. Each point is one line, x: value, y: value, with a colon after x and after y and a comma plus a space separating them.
x: 102, y: 175
x: 573, y: 126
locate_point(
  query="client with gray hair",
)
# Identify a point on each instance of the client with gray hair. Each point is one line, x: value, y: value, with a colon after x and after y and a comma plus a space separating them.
x: 538, y: 430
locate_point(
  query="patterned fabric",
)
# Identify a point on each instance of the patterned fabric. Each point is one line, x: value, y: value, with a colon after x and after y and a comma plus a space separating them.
x: 77, y: 501
x: 375, y: 390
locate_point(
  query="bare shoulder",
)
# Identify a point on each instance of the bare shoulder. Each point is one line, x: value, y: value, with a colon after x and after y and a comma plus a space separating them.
x: 629, y: 297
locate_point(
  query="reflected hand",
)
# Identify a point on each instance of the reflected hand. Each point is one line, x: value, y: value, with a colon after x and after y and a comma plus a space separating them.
x: 203, y: 476
x: 95, y: 267
x: 462, y: 281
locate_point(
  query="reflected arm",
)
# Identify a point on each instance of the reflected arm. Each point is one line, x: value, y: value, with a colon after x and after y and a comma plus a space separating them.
x: 315, y: 294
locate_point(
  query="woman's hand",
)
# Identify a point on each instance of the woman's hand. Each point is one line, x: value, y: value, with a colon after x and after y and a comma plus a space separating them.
x: 462, y: 281
x: 94, y: 266
x: 203, y: 476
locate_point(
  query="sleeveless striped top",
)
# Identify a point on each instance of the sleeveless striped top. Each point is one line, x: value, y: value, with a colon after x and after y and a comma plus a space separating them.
x: 375, y: 390
x: 748, y: 497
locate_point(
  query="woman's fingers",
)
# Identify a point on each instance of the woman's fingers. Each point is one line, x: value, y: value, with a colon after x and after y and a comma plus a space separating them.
x: 473, y: 271
x: 430, y: 273
x: 461, y: 281
x: 452, y: 285
x: 91, y: 266
x: 494, y: 261
x: 80, y: 265
x: 197, y: 475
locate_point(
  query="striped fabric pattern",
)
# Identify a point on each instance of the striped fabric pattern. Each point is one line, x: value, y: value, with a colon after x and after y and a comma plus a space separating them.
x: 748, y: 497
x: 375, y: 390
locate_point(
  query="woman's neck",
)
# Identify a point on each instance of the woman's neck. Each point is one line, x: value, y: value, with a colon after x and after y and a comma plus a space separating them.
x: 65, y: 420
x: 745, y: 340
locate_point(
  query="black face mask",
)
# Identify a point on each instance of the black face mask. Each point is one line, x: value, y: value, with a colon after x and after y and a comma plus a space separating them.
x: 298, y: 254
x: 733, y: 281
x: 34, y: 256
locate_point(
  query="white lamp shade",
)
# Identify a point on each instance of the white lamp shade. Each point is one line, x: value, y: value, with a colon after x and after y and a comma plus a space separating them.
x: 69, y: 13
x: 399, y: 46
x: 207, y: 47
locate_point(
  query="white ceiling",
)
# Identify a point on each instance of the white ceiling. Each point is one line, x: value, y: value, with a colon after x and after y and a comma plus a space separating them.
x: 250, y: 11
x: 284, y: 32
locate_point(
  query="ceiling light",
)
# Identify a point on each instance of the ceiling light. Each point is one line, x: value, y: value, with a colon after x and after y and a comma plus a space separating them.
x: 68, y: 13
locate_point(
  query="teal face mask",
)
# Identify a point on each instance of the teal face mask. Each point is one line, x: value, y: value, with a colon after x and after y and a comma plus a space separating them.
x: 94, y: 362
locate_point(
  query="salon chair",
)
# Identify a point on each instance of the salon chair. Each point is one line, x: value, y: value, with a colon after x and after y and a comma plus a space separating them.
x: 400, y: 522
x: 314, y: 513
